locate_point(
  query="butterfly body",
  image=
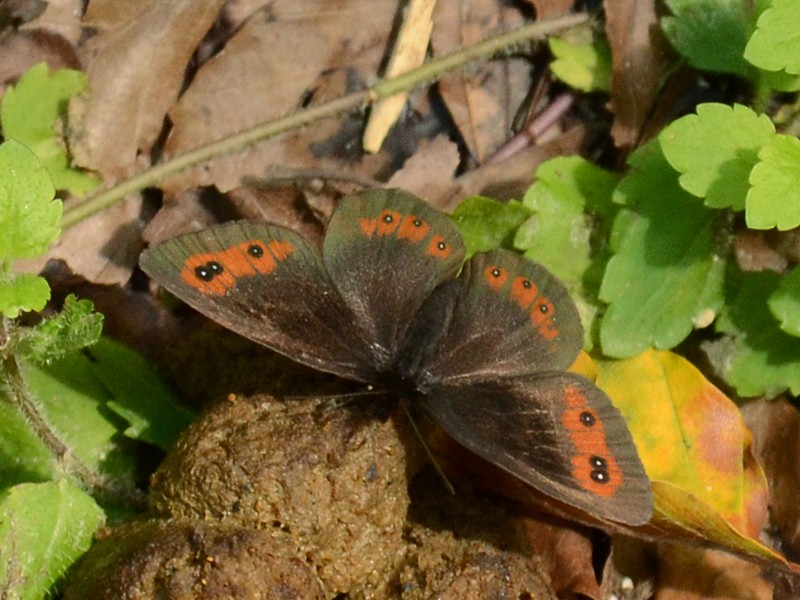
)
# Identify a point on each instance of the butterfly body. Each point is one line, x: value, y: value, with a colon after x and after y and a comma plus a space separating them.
x: 482, y: 347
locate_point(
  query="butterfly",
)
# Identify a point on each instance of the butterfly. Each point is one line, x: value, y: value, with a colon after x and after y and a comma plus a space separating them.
x: 481, y: 346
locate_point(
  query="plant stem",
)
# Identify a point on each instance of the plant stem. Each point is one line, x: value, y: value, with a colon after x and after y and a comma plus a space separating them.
x: 381, y: 89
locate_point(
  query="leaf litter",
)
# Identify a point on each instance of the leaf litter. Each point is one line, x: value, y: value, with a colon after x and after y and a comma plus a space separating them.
x: 165, y: 78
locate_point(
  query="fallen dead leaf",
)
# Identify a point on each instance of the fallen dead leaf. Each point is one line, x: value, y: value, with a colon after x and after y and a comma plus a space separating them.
x: 483, y: 101
x: 638, y: 59
x: 134, y: 79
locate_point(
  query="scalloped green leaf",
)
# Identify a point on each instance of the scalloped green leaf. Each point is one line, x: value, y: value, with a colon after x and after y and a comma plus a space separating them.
x: 486, y: 224
x: 29, y: 112
x: 585, y: 66
x: 44, y: 528
x: 665, y: 277
x: 764, y: 359
x: 774, y: 198
x: 28, y: 214
x: 785, y: 302
x: 558, y: 235
x: 710, y: 34
x: 715, y: 151
x: 775, y: 44
x: 23, y: 292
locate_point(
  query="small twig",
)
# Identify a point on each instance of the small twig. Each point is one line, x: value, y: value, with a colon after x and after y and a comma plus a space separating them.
x: 381, y: 89
x: 544, y: 121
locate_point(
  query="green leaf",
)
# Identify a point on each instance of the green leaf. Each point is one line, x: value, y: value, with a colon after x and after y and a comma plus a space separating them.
x: 774, y: 199
x: 715, y: 150
x: 711, y: 34
x: 139, y: 395
x: 73, y: 401
x: 583, y: 65
x: 75, y: 327
x: 558, y: 234
x: 28, y: 113
x: 665, y: 277
x: 28, y: 214
x: 765, y: 359
x: 486, y: 224
x: 775, y: 44
x: 44, y: 528
x: 785, y: 302
x: 23, y: 292
x: 23, y: 456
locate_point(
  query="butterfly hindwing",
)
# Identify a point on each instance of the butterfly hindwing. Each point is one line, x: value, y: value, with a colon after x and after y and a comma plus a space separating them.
x: 507, y: 316
x: 268, y: 284
x: 555, y: 431
x: 386, y: 251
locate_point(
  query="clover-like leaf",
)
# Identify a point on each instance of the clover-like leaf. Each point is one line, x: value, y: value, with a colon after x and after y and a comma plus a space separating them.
x: 774, y: 199
x: 785, y: 302
x: 666, y: 276
x: 775, y: 44
x: 715, y: 151
x: 28, y: 214
x: 711, y: 34
x: 28, y: 114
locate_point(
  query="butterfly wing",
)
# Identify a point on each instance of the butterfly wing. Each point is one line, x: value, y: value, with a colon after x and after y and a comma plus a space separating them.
x: 504, y: 316
x: 555, y: 431
x: 268, y: 284
x: 386, y: 251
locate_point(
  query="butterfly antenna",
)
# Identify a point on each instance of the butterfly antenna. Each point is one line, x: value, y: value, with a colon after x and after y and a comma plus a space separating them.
x: 434, y: 462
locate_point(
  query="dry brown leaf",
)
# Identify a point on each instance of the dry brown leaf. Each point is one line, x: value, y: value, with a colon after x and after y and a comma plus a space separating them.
x: 429, y: 172
x: 776, y: 437
x: 550, y: 9
x: 270, y: 67
x: 482, y: 101
x: 566, y: 551
x: 19, y: 51
x: 62, y: 17
x: 692, y: 574
x: 638, y: 62
x: 134, y: 78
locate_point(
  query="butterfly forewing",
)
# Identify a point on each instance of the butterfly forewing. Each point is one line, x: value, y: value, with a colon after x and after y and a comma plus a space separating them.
x: 507, y: 316
x: 386, y: 251
x: 556, y: 432
x: 268, y: 284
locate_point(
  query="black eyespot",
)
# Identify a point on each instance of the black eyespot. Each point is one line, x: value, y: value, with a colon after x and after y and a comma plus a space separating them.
x: 588, y: 418
x: 544, y: 309
x: 388, y: 218
x: 526, y: 283
x: 598, y: 462
x: 417, y: 222
x: 496, y: 272
x: 255, y: 250
x: 441, y: 245
x: 208, y: 271
x: 600, y: 476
